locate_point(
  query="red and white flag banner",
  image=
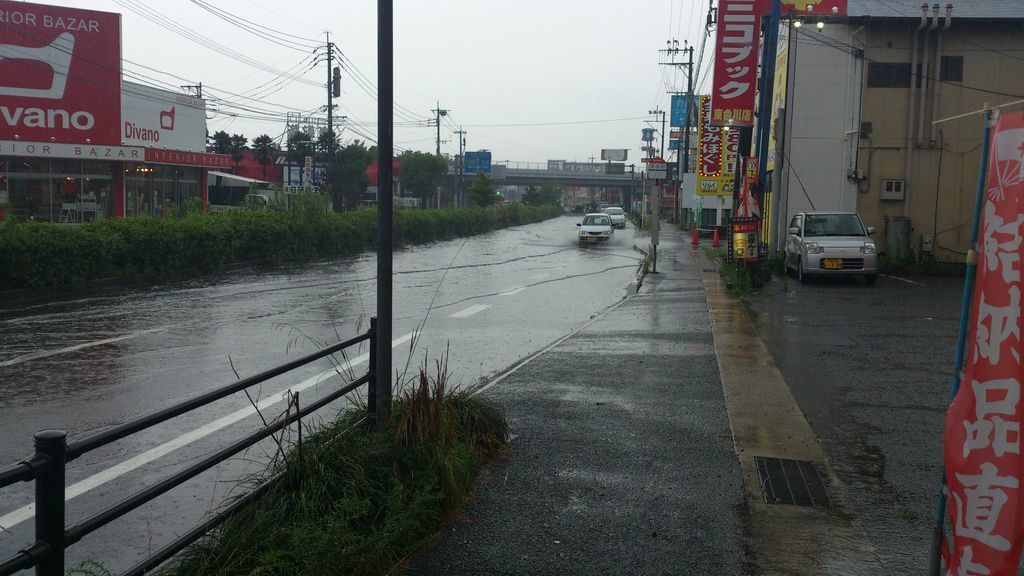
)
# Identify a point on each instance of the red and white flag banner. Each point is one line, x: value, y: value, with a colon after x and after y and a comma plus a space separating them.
x: 732, y: 94
x: 983, y: 424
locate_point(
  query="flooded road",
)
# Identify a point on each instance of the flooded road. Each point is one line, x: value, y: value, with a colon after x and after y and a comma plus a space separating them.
x: 86, y: 361
x: 870, y: 368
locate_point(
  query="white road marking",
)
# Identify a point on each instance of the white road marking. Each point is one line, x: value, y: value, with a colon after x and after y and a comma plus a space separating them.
x: 902, y: 280
x: 513, y: 291
x: 48, y: 353
x: 467, y: 312
x: 26, y: 512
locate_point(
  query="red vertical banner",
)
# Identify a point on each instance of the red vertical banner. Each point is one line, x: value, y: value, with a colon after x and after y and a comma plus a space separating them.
x: 983, y: 423
x: 732, y: 96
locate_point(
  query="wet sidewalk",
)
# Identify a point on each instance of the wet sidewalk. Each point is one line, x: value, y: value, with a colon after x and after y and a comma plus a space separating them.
x: 621, y: 460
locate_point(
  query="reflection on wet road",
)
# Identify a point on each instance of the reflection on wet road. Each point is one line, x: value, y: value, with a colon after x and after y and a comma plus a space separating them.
x: 870, y: 369
x: 85, y: 361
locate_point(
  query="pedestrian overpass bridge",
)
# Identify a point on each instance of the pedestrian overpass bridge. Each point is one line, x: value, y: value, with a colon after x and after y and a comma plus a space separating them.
x: 564, y: 174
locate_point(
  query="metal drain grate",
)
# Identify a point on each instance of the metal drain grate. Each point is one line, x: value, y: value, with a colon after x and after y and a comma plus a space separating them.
x: 793, y: 482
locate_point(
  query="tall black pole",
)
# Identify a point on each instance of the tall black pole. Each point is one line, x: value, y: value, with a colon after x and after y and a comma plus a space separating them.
x: 764, y: 114
x: 686, y: 131
x: 330, y: 90
x: 385, y: 153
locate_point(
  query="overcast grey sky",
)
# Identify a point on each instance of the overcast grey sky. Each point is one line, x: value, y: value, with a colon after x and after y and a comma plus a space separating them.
x: 489, y: 63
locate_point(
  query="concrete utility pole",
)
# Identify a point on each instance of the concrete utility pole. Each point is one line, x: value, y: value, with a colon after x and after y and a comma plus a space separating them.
x: 333, y: 86
x: 438, y: 112
x: 460, y: 164
x: 683, y: 156
x: 656, y: 112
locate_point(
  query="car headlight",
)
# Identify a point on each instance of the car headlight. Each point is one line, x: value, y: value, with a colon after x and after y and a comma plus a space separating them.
x: 813, y: 248
x: 868, y: 249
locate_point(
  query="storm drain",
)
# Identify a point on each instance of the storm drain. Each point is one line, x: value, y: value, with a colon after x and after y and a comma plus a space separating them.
x: 793, y: 482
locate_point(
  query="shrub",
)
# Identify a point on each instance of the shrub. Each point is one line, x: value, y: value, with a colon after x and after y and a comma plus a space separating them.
x: 43, y: 255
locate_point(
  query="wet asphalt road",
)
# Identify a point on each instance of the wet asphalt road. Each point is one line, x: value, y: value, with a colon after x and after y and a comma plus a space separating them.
x: 88, y: 360
x: 870, y: 368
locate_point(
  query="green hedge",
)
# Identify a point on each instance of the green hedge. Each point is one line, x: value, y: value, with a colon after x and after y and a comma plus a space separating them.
x: 44, y: 255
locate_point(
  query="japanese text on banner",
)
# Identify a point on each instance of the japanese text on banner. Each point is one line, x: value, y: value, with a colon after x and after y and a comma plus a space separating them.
x: 983, y: 423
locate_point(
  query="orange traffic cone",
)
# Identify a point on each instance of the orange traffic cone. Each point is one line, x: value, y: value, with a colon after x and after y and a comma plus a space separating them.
x: 696, y: 239
x: 714, y: 239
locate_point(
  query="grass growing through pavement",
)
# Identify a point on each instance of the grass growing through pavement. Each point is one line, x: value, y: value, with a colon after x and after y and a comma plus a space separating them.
x: 353, y: 502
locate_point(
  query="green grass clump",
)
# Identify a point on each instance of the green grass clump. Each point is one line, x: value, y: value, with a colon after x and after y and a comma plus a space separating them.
x: 353, y: 502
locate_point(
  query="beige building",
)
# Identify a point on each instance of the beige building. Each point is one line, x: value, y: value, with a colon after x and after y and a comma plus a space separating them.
x: 877, y: 81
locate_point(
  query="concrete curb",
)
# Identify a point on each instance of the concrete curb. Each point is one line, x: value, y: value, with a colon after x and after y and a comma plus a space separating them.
x: 766, y: 421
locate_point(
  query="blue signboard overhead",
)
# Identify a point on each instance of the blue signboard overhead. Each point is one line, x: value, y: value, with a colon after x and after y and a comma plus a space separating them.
x: 679, y: 110
x: 478, y: 162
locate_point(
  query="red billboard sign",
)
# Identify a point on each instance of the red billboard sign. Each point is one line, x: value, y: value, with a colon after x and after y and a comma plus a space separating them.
x: 983, y: 423
x: 60, y: 74
x: 732, y: 96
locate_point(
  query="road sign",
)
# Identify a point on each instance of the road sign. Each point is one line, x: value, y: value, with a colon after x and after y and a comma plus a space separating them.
x: 478, y: 162
x: 657, y: 169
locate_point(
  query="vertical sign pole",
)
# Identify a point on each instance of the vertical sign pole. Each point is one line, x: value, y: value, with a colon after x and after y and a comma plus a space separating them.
x: 935, y: 562
x: 385, y: 214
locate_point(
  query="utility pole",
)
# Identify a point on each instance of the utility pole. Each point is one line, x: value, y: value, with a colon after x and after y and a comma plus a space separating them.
x: 438, y: 112
x: 460, y: 164
x: 656, y: 112
x: 333, y: 86
x: 683, y: 156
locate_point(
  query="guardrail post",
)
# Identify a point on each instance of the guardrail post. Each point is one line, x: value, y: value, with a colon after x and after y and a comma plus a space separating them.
x: 371, y: 388
x: 50, y: 500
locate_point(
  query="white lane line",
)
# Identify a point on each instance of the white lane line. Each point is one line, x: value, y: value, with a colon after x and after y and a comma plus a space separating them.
x: 467, y: 312
x: 18, y: 516
x: 902, y: 280
x: 48, y: 353
x: 513, y: 291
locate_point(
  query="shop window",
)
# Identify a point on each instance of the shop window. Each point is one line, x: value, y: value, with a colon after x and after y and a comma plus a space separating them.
x: 888, y: 75
x: 29, y: 165
x: 952, y: 69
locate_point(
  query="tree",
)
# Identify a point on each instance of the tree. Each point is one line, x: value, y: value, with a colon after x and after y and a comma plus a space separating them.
x: 327, y: 142
x: 300, y: 145
x: 263, y: 147
x: 422, y: 173
x: 532, y: 197
x: 551, y: 194
x: 237, y: 148
x: 221, y: 142
x: 347, y: 174
x: 482, y: 192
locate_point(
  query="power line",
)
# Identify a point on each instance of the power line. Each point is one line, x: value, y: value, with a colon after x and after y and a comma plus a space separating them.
x: 566, y: 123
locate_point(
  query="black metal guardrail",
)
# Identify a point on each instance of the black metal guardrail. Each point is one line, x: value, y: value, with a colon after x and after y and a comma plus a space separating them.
x: 53, y: 451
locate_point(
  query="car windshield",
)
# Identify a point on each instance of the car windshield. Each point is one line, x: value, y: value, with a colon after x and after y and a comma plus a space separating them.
x: 833, y: 225
x: 614, y: 211
x: 597, y: 221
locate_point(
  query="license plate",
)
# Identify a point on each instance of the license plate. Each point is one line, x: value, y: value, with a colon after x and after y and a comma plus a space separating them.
x: 833, y: 264
x: 591, y: 238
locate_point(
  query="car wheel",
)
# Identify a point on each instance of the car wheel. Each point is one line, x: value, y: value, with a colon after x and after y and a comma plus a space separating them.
x: 800, y: 272
x: 870, y: 279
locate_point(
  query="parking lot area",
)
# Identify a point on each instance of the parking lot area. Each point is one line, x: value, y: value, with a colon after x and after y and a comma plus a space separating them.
x: 870, y: 367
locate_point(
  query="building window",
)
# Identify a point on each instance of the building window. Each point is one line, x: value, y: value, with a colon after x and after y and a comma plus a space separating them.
x: 888, y: 75
x: 952, y: 69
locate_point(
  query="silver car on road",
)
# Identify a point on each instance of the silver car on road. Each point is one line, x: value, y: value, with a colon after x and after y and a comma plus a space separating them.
x: 831, y: 243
